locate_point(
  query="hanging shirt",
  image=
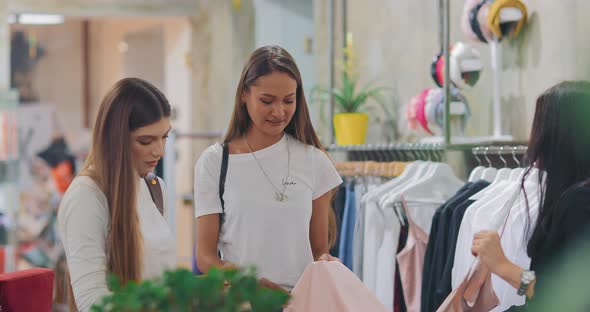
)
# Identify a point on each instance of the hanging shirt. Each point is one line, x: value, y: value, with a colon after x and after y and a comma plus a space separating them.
x: 373, y: 238
x: 338, y: 208
x: 436, y: 282
x: 348, y: 221
x: 463, y: 257
x: 258, y: 230
x: 434, y: 248
x: 359, y: 229
x: 399, y: 303
x: 83, y: 222
x: 386, y: 253
x: 506, y: 213
x: 410, y: 263
x: 423, y: 196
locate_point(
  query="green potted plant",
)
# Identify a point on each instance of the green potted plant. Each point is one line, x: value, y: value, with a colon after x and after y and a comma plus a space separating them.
x: 351, y: 119
x: 180, y: 290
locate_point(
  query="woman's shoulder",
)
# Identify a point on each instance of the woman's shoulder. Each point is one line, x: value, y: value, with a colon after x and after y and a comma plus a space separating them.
x: 306, y: 148
x: 84, y: 186
x: 83, y: 191
x: 210, y: 158
x: 213, y: 152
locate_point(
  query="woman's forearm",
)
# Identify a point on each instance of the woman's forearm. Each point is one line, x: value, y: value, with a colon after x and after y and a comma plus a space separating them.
x: 512, y: 273
x: 207, y: 262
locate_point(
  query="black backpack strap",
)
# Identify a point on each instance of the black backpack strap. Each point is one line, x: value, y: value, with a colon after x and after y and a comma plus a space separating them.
x: 223, y: 174
x: 155, y: 188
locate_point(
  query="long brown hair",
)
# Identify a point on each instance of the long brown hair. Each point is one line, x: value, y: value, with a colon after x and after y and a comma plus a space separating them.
x: 132, y: 103
x: 262, y: 62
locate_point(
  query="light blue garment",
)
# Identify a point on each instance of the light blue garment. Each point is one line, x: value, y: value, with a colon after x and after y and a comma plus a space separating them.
x: 347, y: 229
x: 360, y: 189
x: 344, y: 223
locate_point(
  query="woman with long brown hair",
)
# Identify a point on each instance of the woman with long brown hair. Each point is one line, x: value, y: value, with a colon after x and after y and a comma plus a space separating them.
x: 263, y: 196
x: 108, y: 220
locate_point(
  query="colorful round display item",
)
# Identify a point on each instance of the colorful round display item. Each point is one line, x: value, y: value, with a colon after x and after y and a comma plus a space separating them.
x: 440, y: 71
x: 482, y: 21
x: 466, y: 65
x: 428, y: 108
x: 411, y: 113
x: 495, y: 24
x: 466, y: 21
x: 420, y: 116
x: 434, y: 69
x: 432, y: 101
x: 456, y: 96
x: 475, y: 23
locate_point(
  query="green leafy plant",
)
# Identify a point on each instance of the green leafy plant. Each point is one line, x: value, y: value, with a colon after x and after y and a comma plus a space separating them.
x: 180, y: 290
x: 350, y: 100
x: 349, y: 97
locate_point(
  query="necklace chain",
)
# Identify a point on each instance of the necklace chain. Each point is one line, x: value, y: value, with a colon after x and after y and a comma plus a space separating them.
x: 279, y: 195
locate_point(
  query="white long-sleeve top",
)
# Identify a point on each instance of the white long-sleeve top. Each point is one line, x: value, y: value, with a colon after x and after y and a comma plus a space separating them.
x: 83, y: 221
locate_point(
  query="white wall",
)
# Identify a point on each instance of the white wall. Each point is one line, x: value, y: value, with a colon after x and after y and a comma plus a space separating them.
x: 288, y: 24
x: 396, y: 40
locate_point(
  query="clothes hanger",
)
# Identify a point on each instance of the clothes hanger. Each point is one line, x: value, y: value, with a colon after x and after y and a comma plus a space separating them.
x: 438, y: 174
x: 416, y: 170
x: 488, y: 173
x: 497, y: 184
x: 504, y: 173
x: 411, y: 170
x: 517, y: 172
x: 477, y: 172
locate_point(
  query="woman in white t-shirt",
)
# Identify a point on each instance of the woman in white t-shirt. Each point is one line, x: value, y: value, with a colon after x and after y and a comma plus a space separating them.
x: 108, y: 221
x: 276, y: 213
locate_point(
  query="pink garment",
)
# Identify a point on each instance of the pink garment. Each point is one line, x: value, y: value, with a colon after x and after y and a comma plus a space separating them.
x: 411, y: 262
x: 420, y: 110
x: 474, y: 294
x: 329, y: 286
x: 411, y: 113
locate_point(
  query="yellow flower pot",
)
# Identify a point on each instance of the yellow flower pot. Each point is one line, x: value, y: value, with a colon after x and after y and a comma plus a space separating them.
x: 351, y: 128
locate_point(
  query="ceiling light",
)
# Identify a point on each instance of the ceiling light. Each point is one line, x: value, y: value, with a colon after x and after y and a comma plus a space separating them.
x: 40, y: 19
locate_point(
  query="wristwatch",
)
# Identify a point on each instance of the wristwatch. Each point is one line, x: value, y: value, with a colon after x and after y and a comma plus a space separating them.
x: 526, y: 278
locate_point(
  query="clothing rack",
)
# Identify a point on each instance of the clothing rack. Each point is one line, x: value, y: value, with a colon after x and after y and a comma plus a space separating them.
x: 500, y: 152
x: 391, y: 152
x: 370, y: 168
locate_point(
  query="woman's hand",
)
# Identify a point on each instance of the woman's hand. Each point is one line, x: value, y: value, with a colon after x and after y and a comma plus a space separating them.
x: 270, y: 285
x: 328, y: 257
x: 486, y: 246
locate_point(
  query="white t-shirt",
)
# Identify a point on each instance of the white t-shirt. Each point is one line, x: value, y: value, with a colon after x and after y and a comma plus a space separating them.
x: 258, y: 230
x: 83, y: 221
